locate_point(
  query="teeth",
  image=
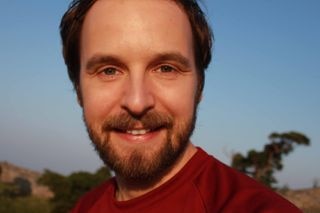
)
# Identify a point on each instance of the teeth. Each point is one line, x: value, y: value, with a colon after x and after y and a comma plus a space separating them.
x: 138, y: 131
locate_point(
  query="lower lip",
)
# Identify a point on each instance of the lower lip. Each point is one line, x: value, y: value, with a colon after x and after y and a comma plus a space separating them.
x: 148, y: 137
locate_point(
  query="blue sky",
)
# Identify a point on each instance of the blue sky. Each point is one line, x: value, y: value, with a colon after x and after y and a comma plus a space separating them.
x: 265, y: 77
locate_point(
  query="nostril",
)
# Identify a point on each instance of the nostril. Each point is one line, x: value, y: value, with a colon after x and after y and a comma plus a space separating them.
x: 137, y: 114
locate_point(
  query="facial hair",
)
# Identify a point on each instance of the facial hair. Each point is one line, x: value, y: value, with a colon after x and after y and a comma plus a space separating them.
x: 138, y: 165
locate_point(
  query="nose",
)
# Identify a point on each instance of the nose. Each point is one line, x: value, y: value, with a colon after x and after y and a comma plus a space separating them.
x: 138, y: 97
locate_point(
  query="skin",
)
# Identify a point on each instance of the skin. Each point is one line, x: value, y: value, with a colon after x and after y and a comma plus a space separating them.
x: 137, y: 56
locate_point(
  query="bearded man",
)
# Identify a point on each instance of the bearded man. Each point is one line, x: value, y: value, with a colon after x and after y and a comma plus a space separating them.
x: 138, y: 69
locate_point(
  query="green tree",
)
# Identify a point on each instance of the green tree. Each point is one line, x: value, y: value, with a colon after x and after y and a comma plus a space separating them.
x: 261, y: 165
x: 68, y: 189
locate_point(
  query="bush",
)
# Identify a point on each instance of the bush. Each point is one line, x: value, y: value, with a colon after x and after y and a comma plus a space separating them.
x: 24, y: 205
x: 68, y: 189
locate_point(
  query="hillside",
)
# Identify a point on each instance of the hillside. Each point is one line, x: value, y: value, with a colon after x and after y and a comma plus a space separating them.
x: 10, y: 173
x: 306, y: 199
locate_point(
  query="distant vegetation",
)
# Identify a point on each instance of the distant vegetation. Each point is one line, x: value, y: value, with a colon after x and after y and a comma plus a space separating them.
x: 68, y: 189
x: 261, y: 165
x: 16, y: 197
x: 27, y: 204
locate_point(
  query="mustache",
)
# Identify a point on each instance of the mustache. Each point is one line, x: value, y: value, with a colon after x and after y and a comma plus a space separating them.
x: 151, y: 120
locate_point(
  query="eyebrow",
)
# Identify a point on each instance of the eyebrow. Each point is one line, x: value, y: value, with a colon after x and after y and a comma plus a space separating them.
x: 99, y: 59
x: 172, y: 56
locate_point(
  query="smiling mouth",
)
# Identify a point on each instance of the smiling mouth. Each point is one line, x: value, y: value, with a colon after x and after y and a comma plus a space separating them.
x: 138, y: 132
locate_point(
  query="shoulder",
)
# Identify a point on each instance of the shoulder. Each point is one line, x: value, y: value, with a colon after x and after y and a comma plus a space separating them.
x: 224, y: 189
x: 90, y: 198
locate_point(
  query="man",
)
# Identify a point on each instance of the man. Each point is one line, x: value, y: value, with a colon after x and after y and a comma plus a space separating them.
x: 138, y: 69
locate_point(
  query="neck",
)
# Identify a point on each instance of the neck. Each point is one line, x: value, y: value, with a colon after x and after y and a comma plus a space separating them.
x: 128, y: 191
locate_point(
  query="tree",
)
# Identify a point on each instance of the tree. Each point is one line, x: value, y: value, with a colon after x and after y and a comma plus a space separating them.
x: 68, y: 189
x: 261, y: 165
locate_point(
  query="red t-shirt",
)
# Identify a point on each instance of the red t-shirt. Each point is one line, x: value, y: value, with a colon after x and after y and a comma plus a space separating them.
x: 203, y: 185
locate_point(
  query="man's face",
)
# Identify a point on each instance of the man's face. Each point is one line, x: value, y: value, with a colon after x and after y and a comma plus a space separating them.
x: 138, y: 84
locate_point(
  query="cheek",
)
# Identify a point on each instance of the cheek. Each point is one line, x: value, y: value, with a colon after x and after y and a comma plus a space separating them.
x: 93, y: 105
x: 98, y: 102
x: 180, y: 99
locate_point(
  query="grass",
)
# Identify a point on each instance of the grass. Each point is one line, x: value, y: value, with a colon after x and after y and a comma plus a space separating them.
x: 24, y: 205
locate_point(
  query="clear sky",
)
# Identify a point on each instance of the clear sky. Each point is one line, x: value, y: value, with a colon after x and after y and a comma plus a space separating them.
x: 265, y: 77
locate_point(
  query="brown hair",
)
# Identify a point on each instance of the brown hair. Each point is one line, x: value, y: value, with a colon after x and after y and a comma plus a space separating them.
x: 72, y: 21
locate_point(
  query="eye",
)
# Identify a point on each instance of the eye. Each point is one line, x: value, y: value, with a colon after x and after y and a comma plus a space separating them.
x: 109, y: 71
x: 166, y: 72
x: 166, y: 69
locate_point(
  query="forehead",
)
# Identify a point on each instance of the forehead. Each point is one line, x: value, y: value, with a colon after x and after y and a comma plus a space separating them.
x: 119, y: 8
x: 159, y: 25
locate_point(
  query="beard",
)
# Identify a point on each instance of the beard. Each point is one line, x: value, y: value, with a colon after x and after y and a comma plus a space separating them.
x: 141, y: 164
